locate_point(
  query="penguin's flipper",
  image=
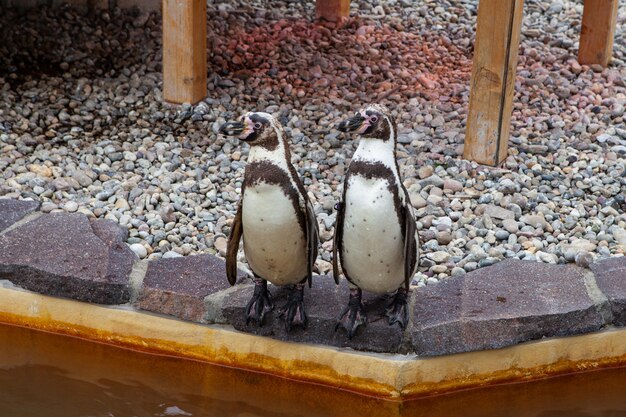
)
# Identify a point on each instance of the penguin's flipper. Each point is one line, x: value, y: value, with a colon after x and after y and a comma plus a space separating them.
x: 236, y: 230
x: 312, y: 240
x: 337, y: 238
x: 410, y: 245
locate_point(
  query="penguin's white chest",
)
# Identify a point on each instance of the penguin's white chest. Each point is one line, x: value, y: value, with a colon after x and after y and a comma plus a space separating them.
x: 373, y: 247
x: 273, y: 240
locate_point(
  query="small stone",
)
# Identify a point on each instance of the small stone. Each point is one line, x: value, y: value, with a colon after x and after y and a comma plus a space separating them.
x: 470, y: 266
x: 500, y: 213
x: 433, y: 180
x: 437, y: 121
x: 571, y: 250
x: 457, y: 271
x: 71, y: 206
x: 221, y: 245
x: 584, y: 259
x: 510, y: 225
x: 620, y: 236
x: 417, y: 200
x: 171, y: 254
x: 425, y: 171
x: 502, y: 234
x: 547, y: 257
x: 452, y: 185
x: 443, y: 238
x: 439, y: 256
x: 139, y: 250
x: 122, y: 204
x: 439, y: 269
x: 426, y: 82
x: 534, y: 220
x: 40, y: 170
x: 47, y: 207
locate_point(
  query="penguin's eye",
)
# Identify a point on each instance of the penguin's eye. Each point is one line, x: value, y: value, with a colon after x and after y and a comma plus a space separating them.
x: 257, y: 126
x: 374, y: 119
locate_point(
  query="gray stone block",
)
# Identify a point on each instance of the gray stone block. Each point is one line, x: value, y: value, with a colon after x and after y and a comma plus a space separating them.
x: 178, y: 286
x: 324, y: 303
x: 12, y: 211
x: 505, y: 304
x: 611, y: 278
x: 61, y: 254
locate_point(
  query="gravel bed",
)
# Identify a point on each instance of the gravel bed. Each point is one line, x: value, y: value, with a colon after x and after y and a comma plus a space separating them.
x: 83, y: 127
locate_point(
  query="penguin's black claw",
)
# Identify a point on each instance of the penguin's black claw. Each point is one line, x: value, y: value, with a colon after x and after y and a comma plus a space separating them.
x: 259, y: 304
x: 398, y: 311
x: 353, y: 316
x: 293, y: 312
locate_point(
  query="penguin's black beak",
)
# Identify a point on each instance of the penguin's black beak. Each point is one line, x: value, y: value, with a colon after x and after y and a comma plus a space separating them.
x: 352, y: 124
x: 232, y: 128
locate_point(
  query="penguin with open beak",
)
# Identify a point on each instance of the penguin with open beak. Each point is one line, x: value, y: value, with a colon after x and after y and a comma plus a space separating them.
x: 375, y: 239
x: 275, y: 219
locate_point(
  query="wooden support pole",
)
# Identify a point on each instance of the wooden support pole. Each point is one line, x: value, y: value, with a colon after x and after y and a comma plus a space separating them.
x: 184, y: 50
x: 493, y: 80
x: 332, y: 10
x: 597, y: 32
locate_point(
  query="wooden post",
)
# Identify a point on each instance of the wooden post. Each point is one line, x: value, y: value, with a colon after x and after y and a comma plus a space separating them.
x: 598, y: 28
x: 493, y: 80
x: 332, y: 10
x: 184, y: 50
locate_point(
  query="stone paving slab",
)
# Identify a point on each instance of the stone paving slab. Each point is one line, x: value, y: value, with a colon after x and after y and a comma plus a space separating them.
x: 66, y: 255
x: 324, y: 303
x: 178, y: 286
x: 511, y: 302
x: 611, y: 279
x: 12, y: 211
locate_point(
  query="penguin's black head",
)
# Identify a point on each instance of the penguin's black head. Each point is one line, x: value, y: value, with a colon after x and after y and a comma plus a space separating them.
x: 252, y: 127
x: 371, y: 122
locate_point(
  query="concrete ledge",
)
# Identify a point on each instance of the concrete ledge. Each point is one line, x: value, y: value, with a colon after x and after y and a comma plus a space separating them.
x: 382, y: 375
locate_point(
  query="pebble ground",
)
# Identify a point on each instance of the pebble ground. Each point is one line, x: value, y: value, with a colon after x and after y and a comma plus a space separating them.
x: 83, y: 127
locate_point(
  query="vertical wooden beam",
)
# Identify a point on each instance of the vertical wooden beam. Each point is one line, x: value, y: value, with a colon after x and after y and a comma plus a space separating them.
x: 493, y: 80
x: 184, y: 50
x: 597, y: 32
x: 332, y: 10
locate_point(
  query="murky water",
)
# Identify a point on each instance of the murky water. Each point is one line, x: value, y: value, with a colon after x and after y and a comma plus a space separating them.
x: 44, y: 375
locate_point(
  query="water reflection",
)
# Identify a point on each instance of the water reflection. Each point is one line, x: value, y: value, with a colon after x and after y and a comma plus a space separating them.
x: 54, y: 376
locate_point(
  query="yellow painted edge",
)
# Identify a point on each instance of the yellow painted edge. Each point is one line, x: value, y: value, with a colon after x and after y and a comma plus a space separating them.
x: 387, y: 376
x: 362, y: 373
x: 523, y: 362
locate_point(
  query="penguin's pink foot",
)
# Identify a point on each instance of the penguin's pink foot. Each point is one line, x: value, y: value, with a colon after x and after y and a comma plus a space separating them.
x: 398, y: 311
x: 260, y: 303
x: 293, y: 312
x: 353, y: 316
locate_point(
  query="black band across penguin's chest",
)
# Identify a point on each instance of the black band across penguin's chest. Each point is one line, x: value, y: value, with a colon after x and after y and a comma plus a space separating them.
x: 377, y: 170
x: 268, y: 173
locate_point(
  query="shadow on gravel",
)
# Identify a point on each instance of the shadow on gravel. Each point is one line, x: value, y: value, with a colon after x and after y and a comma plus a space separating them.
x: 49, y: 42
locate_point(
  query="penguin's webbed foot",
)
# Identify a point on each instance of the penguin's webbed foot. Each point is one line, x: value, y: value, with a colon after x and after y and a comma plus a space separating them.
x: 260, y: 303
x: 353, y: 316
x: 293, y: 312
x: 398, y: 311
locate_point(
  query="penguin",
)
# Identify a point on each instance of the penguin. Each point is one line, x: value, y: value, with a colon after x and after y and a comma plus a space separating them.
x: 275, y: 219
x: 376, y: 240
